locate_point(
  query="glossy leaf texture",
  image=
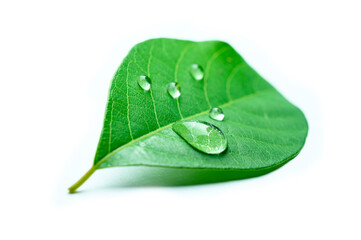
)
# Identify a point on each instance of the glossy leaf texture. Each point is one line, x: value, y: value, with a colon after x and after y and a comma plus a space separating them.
x: 263, y: 129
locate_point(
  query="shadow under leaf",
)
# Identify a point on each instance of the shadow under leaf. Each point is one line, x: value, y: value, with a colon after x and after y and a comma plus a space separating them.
x: 173, y: 177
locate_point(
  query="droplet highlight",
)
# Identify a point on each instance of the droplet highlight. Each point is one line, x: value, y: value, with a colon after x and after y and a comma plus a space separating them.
x: 202, y: 136
x: 174, y: 90
x: 144, y: 82
x: 196, y: 72
x: 216, y: 114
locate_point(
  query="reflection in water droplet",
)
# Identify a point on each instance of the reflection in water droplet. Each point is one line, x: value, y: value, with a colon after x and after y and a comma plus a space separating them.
x: 216, y: 114
x: 174, y: 89
x: 144, y: 82
x: 201, y: 135
x: 196, y: 72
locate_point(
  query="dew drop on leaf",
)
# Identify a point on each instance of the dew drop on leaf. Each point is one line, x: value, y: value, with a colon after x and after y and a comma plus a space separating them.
x: 144, y: 82
x: 216, y: 114
x: 174, y: 89
x: 196, y: 72
x: 202, y: 136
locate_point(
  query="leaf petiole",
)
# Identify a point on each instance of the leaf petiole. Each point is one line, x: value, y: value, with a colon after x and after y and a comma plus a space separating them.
x: 80, y: 182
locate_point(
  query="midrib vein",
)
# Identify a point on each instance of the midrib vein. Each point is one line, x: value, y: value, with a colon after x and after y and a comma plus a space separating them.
x: 169, y: 125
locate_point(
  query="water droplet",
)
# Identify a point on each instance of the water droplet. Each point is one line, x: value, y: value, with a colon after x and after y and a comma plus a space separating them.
x: 201, y: 135
x: 216, y: 114
x: 144, y: 82
x: 174, y: 89
x: 196, y: 72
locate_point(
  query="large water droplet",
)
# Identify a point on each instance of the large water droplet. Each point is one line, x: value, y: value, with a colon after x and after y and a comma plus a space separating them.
x: 196, y: 72
x: 216, y: 114
x: 144, y: 82
x: 174, y: 89
x: 201, y: 135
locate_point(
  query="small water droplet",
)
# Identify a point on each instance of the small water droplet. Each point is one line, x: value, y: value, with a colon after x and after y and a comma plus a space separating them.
x: 174, y: 89
x: 196, y: 72
x: 216, y: 114
x: 144, y: 82
x: 201, y: 135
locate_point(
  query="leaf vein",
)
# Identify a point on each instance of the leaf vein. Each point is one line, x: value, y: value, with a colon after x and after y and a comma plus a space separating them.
x: 169, y: 125
x: 229, y: 79
x: 151, y: 93
x: 176, y: 73
x: 128, y: 112
x: 209, y: 63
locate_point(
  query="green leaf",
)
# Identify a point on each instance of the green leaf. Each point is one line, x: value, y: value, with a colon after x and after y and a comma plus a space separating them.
x: 263, y: 129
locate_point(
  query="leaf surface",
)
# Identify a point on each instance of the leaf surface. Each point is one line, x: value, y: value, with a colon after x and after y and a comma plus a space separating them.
x: 263, y: 129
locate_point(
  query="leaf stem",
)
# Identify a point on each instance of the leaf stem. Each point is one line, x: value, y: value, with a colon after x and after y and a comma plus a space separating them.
x: 80, y: 182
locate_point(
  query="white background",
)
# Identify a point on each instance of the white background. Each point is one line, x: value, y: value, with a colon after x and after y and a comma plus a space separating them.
x: 56, y: 63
